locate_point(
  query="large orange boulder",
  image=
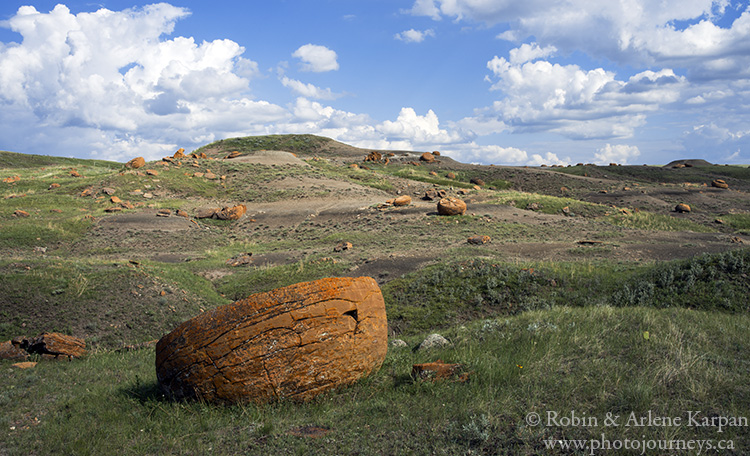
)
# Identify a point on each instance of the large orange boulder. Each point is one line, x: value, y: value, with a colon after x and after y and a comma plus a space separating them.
x: 682, y: 208
x: 404, y: 200
x: 137, y: 162
x: 427, y: 157
x: 451, y: 206
x: 294, y: 342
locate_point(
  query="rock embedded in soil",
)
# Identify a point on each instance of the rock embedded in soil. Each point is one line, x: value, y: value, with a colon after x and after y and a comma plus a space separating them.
x: 343, y: 246
x: 439, y: 370
x: 231, y: 213
x: 451, y: 206
x: 294, y: 342
x: 479, y: 240
x: 719, y: 183
x: 433, y: 341
x: 9, y: 350
x: 58, y: 346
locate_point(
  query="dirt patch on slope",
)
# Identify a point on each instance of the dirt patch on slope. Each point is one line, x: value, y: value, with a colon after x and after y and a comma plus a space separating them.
x: 270, y: 157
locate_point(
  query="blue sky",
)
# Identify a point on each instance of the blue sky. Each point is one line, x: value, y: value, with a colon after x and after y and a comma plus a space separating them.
x: 483, y: 81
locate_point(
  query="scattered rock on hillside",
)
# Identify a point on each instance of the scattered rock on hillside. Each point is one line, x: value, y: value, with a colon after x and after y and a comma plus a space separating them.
x: 12, y: 179
x: 179, y: 154
x: 436, y: 153
x: 231, y: 213
x: 109, y: 191
x: 682, y: 208
x: 343, y: 246
x: 477, y: 181
x: 433, y: 341
x: 233, y: 154
x: 240, y: 260
x: 152, y: 172
x: 9, y: 350
x: 373, y: 156
x: 432, y: 194
x: 398, y: 343
x: 24, y: 365
x: 57, y: 346
x: 535, y: 206
x: 137, y: 162
x: 427, y: 157
x: 53, y: 186
x: 438, y: 370
x: 294, y: 342
x: 450, y: 176
x: 451, y: 206
x: 404, y: 200
x: 719, y: 183
x: 479, y: 240
x: 204, y: 213
x: 224, y: 213
x: 21, y: 214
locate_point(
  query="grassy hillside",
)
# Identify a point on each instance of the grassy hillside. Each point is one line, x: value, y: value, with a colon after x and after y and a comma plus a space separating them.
x: 594, y: 295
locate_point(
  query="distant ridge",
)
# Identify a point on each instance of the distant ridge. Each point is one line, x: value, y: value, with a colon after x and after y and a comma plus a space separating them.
x: 688, y: 162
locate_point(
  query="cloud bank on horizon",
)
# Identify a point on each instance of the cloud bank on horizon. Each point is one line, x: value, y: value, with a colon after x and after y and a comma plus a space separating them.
x: 559, y: 81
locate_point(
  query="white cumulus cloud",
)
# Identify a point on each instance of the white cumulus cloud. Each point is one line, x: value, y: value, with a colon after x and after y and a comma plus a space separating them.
x: 639, y: 31
x: 414, y: 36
x: 618, y: 153
x: 540, y: 95
x: 418, y: 130
x: 317, y: 58
x: 110, y: 81
x: 309, y: 90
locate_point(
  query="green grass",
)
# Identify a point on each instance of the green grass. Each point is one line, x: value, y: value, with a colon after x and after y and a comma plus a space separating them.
x: 585, y: 361
x: 258, y: 279
x: 449, y: 294
x: 306, y: 144
x: 656, y: 222
x: 18, y: 161
x: 739, y: 222
x: 108, y: 304
x: 551, y: 204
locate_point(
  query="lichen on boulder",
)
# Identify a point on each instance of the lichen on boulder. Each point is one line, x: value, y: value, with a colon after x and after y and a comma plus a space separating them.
x: 293, y: 342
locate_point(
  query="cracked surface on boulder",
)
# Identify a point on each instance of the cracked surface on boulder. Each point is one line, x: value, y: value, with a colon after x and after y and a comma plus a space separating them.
x: 293, y: 342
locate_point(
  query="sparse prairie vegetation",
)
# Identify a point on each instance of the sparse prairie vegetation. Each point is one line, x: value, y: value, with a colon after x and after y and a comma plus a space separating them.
x: 593, y: 295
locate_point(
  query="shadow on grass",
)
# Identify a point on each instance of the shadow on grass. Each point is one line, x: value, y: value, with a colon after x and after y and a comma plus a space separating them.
x: 144, y: 391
